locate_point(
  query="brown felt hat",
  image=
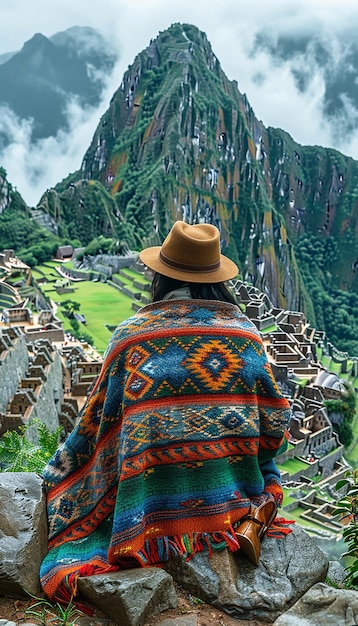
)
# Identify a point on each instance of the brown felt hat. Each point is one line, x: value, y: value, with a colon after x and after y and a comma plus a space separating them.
x: 191, y: 253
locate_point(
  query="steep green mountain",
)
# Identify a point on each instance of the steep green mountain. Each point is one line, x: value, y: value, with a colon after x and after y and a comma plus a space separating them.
x: 179, y: 141
x: 38, y: 81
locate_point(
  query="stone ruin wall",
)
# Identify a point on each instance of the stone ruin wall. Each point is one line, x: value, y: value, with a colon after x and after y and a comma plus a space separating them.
x: 14, y: 363
x: 14, y: 366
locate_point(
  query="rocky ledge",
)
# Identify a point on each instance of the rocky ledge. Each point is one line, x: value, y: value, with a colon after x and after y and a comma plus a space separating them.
x: 288, y: 587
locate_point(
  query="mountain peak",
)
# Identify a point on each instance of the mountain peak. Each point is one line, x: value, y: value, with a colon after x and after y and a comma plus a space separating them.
x: 37, y: 41
x: 84, y: 40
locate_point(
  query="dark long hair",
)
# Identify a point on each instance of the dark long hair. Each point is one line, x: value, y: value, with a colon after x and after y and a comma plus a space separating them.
x: 161, y: 285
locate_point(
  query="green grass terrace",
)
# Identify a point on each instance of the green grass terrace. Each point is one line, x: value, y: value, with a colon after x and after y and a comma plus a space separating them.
x: 292, y: 466
x: 100, y: 303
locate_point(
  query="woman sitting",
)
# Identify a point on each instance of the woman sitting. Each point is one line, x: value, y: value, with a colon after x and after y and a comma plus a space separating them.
x: 174, y: 449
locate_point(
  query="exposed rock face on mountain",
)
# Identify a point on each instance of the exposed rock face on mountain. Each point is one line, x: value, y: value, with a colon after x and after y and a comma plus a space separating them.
x: 9, y: 197
x: 38, y: 81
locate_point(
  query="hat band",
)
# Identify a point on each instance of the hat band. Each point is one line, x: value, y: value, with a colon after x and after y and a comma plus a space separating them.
x: 209, y: 267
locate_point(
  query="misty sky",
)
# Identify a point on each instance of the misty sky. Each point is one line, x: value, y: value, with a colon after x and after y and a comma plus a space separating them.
x: 231, y: 27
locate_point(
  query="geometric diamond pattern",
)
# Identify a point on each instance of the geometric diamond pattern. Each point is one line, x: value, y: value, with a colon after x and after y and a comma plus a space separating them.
x: 137, y: 385
x: 214, y: 363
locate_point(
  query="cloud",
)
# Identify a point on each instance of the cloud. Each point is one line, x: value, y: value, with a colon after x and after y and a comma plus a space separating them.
x: 33, y: 168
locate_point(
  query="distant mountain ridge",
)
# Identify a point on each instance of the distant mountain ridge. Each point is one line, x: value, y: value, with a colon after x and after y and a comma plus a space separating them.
x: 179, y: 141
x: 5, y: 56
x: 38, y: 81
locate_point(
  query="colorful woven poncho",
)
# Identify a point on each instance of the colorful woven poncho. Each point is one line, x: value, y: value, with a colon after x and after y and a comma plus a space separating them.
x: 175, y: 441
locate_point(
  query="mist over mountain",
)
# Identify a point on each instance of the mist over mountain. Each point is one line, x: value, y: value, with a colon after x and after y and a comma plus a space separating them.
x: 39, y: 81
x: 52, y: 93
x: 309, y: 56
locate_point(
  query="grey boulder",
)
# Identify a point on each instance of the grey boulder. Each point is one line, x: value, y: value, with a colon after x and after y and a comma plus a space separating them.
x: 23, y: 532
x: 130, y: 597
x: 288, y: 567
x: 323, y: 606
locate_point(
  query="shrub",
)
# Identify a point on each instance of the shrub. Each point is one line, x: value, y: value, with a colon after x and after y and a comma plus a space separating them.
x: 17, y: 454
x: 348, y: 508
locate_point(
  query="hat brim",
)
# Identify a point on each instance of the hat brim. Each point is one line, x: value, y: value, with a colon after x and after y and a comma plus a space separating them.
x: 227, y: 270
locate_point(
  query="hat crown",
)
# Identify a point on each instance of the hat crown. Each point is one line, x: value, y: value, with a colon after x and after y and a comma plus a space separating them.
x: 192, y: 247
x: 190, y: 253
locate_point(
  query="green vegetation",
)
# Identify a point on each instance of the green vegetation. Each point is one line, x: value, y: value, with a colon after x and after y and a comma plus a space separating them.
x: 296, y: 513
x: 45, y: 613
x: 292, y: 466
x: 287, y: 499
x: 352, y: 450
x: 348, y: 508
x: 17, y: 454
x: 100, y: 303
x: 334, y: 310
x: 134, y: 275
x: 352, y: 454
x: 33, y: 245
x: 99, y: 245
x: 269, y: 329
x: 346, y: 407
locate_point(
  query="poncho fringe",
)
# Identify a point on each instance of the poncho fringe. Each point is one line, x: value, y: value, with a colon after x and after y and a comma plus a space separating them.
x: 64, y: 588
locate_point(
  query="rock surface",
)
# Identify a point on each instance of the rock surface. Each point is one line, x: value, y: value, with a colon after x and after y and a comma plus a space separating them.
x: 336, y: 573
x: 23, y: 532
x: 130, y: 597
x: 288, y: 568
x: 323, y: 606
x: 287, y: 586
